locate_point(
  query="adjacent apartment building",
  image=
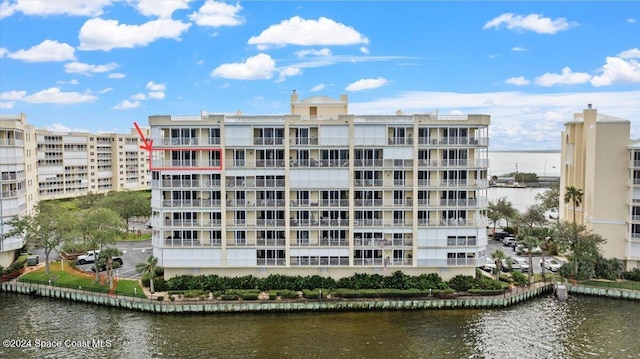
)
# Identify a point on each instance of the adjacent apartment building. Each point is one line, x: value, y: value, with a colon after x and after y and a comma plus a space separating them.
x: 319, y: 191
x: 598, y: 157
x: 37, y: 164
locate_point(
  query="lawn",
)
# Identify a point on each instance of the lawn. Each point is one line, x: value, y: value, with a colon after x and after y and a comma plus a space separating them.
x: 623, y: 284
x: 68, y: 278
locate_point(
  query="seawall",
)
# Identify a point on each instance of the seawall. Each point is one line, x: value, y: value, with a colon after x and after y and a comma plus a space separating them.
x: 604, y: 292
x: 147, y: 305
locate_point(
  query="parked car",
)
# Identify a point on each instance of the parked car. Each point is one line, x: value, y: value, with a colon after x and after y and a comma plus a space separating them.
x: 514, y: 266
x: 552, y: 264
x: 524, y: 263
x: 489, y: 265
x: 500, y: 236
x: 92, y: 256
x: 509, y: 241
x: 148, y: 224
x: 525, y: 250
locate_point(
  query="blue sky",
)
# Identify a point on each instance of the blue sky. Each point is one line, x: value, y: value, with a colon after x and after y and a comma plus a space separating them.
x: 100, y: 65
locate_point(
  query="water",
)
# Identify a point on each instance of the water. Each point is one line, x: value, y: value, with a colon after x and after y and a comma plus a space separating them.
x: 521, y: 198
x: 542, y: 328
x: 543, y: 163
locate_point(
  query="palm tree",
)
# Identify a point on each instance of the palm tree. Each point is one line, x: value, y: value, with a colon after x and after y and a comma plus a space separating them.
x: 498, y: 256
x: 530, y: 242
x: 574, y: 196
x: 107, y: 255
x: 149, y: 270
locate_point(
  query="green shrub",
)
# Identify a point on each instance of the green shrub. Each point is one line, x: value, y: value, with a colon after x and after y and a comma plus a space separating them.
x: 462, y: 283
x: 229, y: 297
x: 519, y: 278
x: 633, y: 275
x: 314, y: 293
x: 273, y: 294
x: 160, y: 298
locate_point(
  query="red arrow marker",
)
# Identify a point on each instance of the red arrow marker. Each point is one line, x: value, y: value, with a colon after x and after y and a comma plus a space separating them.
x: 148, y: 144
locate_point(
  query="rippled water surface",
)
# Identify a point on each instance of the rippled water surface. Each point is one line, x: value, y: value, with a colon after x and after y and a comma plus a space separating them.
x: 583, y: 327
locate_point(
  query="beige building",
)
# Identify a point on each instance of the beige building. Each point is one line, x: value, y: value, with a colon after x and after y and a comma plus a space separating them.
x: 319, y: 191
x: 598, y: 157
x: 37, y: 164
x: 76, y: 163
x: 18, y: 178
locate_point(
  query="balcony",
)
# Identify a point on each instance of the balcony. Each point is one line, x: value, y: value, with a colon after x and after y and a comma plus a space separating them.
x: 368, y: 182
x: 367, y: 202
x: 268, y: 141
x: 270, y: 222
x: 270, y: 202
x: 462, y: 262
x: 368, y: 163
x: 270, y: 163
x: 401, y: 141
x: 271, y: 242
x: 191, y: 203
x: 368, y: 222
x: 303, y: 141
x: 270, y: 261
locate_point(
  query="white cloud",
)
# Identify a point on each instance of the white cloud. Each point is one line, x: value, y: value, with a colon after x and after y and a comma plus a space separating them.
x: 288, y: 72
x: 162, y: 9
x: 126, y: 104
x: 7, y: 105
x: 298, y: 31
x: 51, y: 95
x: 531, y: 22
x: 138, y: 97
x: 536, y: 127
x: 60, y: 128
x: 631, y: 20
x: 90, y: 8
x: 156, y: 95
x: 518, y: 81
x: 304, y: 53
x: 116, y: 75
x: 318, y: 87
x: 617, y: 70
x: 3, y: 52
x: 259, y: 67
x: 518, y: 48
x: 630, y: 54
x: 567, y: 77
x: 108, y: 89
x: 100, y: 34
x: 88, y: 69
x: 493, y: 56
x: 152, y: 86
x: 364, y: 50
x: 46, y: 51
x: 216, y: 14
x: 71, y: 82
x: 367, y: 84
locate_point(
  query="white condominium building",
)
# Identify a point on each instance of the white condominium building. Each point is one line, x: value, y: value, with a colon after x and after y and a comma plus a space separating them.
x: 37, y: 164
x: 599, y: 158
x: 319, y: 191
x: 18, y: 179
x: 76, y: 163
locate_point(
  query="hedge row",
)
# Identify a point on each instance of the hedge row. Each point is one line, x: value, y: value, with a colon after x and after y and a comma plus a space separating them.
x: 210, y: 283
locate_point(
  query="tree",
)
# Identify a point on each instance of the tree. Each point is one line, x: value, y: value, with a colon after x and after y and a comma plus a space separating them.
x: 89, y: 200
x: 101, y: 227
x: 550, y: 199
x: 149, y: 269
x: 493, y: 214
x: 529, y: 241
x: 583, y: 244
x: 505, y: 208
x: 534, y: 216
x: 128, y: 204
x: 106, y: 257
x: 46, y: 227
x: 574, y: 196
x: 499, y: 257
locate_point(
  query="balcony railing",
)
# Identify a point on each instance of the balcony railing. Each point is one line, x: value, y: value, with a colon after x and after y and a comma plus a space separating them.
x: 191, y: 203
x: 303, y: 141
x: 270, y: 242
x: 368, y: 182
x: 367, y: 202
x: 186, y: 183
x: 270, y: 261
x: 268, y: 140
x: 270, y: 163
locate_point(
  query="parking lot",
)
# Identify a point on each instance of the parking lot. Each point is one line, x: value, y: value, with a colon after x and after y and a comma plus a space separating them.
x: 493, y: 245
